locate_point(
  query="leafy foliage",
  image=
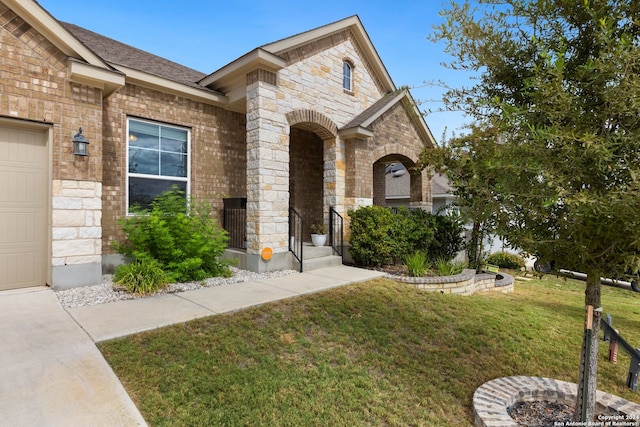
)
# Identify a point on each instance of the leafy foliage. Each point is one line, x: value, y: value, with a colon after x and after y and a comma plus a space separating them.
x: 445, y: 267
x: 448, y: 238
x: 413, y: 230
x: 379, y: 236
x: 318, y: 228
x: 372, y: 240
x: 144, y: 276
x: 417, y: 264
x: 183, y: 238
x: 557, y: 132
x: 506, y: 260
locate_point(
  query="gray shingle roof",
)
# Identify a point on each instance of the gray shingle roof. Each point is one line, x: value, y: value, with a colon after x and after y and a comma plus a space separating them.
x: 118, y: 53
x: 374, y: 109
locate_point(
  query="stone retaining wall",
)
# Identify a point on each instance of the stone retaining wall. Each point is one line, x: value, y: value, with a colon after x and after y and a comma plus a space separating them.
x: 465, y: 283
x: 491, y: 400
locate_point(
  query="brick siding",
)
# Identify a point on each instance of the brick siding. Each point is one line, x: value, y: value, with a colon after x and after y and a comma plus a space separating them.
x: 218, y: 149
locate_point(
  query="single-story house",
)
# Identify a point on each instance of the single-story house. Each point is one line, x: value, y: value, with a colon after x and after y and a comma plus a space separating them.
x: 90, y: 126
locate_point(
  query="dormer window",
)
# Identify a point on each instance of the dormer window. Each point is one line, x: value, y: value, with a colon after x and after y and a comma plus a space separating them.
x: 347, y: 73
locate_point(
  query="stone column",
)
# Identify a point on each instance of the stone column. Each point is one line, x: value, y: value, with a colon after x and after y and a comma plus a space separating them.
x: 267, y: 174
x: 334, y: 175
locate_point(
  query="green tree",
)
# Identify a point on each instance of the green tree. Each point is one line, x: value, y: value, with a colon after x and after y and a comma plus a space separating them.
x: 558, y: 91
x: 467, y: 163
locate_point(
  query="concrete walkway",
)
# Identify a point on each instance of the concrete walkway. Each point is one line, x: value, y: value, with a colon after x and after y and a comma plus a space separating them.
x: 52, y: 374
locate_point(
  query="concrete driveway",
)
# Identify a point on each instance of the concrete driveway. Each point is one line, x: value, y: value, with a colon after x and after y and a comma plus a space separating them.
x: 51, y: 372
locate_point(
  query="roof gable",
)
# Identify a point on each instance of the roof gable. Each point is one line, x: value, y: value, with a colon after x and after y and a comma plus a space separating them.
x: 231, y: 79
x: 351, y: 23
x: 359, y: 126
x: 84, y: 65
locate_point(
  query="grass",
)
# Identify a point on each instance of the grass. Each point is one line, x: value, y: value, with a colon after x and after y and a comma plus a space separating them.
x: 372, y: 354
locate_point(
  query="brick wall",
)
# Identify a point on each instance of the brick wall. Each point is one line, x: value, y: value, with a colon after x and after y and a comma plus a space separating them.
x: 218, y: 149
x: 34, y: 86
x: 306, y: 176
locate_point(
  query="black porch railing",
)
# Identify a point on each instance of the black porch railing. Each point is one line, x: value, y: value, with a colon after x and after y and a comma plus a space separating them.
x: 235, y: 223
x: 336, y: 232
x: 296, y: 228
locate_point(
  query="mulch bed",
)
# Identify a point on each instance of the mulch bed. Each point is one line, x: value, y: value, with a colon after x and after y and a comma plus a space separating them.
x: 542, y: 413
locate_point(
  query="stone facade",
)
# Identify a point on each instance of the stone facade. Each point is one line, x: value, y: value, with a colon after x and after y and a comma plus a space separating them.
x: 276, y: 127
x: 76, y: 232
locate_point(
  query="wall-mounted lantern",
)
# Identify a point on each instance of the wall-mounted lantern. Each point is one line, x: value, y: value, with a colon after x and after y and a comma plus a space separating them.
x: 80, y: 144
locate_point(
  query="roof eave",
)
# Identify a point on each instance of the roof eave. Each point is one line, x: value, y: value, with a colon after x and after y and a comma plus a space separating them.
x: 355, y: 132
x: 256, y: 59
x: 106, y: 79
x: 169, y: 86
x: 423, y: 128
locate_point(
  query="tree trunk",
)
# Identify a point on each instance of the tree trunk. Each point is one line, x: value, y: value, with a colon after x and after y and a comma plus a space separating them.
x: 592, y: 298
x: 475, y: 246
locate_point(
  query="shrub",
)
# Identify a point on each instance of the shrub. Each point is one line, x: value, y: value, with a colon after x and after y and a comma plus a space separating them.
x: 372, y: 241
x: 143, y: 276
x: 506, y: 260
x: 448, y: 238
x: 378, y: 236
x: 183, y: 237
x: 417, y: 264
x: 413, y: 231
x: 445, y: 267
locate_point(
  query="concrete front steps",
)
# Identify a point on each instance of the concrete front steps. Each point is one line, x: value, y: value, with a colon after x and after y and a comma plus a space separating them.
x: 315, y: 257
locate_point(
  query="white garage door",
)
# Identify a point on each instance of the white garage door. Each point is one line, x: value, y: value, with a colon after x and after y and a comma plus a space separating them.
x: 23, y: 207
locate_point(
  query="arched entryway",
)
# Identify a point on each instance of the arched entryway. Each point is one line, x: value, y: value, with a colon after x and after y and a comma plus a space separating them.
x: 394, y: 183
x: 312, y: 166
x: 306, y: 176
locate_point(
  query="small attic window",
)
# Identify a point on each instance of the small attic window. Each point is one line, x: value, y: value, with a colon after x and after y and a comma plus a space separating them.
x: 347, y: 74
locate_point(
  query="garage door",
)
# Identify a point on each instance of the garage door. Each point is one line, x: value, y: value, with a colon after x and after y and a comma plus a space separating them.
x: 23, y: 207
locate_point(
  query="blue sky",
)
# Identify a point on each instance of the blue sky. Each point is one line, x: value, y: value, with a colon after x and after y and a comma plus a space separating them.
x: 207, y: 34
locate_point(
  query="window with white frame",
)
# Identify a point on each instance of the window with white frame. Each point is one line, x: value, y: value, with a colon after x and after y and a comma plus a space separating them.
x: 157, y: 159
x: 347, y: 71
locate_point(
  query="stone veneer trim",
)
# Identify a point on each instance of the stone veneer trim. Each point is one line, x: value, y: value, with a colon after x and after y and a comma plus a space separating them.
x: 465, y: 283
x: 76, y: 244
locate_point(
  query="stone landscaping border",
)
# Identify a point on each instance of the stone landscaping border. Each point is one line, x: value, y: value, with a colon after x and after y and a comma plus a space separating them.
x: 491, y: 400
x: 465, y: 283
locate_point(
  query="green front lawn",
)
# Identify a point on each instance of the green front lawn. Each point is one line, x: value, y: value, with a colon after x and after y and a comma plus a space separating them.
x: 372, y: 354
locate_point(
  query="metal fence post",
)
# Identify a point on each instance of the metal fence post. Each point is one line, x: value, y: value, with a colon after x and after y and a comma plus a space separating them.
x: 634, y: 369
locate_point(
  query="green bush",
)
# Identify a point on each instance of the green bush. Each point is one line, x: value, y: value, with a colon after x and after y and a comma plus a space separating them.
x: 372, y: 240
x: 183, y: 237
x: 379, y: 237
x: 417, y: 264
x: 144, y: 276
x: 448, y: 238
x: 506, y: 260
x: 413, y: 231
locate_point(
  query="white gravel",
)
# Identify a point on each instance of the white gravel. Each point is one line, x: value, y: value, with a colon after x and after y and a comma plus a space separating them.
x: 103, y: 293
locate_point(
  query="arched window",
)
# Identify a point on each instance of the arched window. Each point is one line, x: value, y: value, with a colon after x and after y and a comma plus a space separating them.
x: 347, y: 71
